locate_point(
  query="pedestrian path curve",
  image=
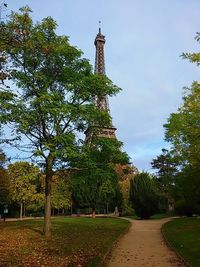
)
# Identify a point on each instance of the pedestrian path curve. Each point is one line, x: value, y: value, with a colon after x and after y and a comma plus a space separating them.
x: 143, y: 246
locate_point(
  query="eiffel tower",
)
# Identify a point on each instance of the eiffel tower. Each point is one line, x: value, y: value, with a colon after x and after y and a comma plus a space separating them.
x: 101, y: 103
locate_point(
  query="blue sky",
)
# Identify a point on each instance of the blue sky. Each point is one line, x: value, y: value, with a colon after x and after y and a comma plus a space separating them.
x: 144, y: 41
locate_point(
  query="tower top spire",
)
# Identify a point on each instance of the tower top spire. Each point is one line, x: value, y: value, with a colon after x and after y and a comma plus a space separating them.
x: 99, y: 27
x: 99, y: 59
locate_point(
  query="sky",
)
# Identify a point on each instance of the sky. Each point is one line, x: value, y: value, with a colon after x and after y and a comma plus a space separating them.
x: 144, y: 41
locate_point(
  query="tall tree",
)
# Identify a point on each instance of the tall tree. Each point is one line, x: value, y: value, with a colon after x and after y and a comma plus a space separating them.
x: 167, y: 169
x: 95, y: 173
x: 183, y: 132
x: 143, y: 195
x: 54, y: 101
x: 4, y: 181
x: 61, y: 195
x: 183, y: 127
x: 23, y: 176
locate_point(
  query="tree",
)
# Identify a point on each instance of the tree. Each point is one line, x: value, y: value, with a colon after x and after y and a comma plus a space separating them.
x: 61, y: 196
x: 182, y: 130
x: 126, y: 173
x: 54, y: 101
x: 183, y: 127
x: 166, y: 164
x: 3, y: 42
x: 106, y: 193
x: 187, y: 191
x: 4, y: 188
x: 95, y: 174
x: 143, y: 195
x: 23, y: 176
x: 4, y: 181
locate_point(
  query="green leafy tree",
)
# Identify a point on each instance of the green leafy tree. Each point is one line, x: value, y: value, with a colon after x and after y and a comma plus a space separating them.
x: 183, y: 127
x: 143, y: 195
x: 54, y: 101
x: 183, y: 131
x: 61, y: 196
x: 96, y: 172
x: 4, y: 181
x: 186, y: 191
x: 106, y: 193
x: 167, y: 169
x: 23, y: 176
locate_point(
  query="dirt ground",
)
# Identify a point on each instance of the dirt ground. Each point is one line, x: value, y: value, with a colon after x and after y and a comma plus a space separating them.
x: 143, y: 246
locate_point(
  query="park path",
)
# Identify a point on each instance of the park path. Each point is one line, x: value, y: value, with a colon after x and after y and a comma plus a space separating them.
x: 143, y: 246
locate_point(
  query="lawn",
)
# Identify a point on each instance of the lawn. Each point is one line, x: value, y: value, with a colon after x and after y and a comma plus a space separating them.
x: 74, y: 242
x: 184, y: 236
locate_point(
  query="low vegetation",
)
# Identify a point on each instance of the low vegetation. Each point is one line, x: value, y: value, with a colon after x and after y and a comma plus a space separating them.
x: 184, y: 236
x: 74, y: 241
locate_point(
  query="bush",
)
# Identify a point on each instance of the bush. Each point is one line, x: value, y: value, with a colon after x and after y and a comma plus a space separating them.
x: 143, y: 195
x: 127, y: 210
x: 183, y: 207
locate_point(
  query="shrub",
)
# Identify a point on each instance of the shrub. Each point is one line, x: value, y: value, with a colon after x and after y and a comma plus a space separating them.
x: 127, y: 210
x: 143, y: 195
x: 187, y: 208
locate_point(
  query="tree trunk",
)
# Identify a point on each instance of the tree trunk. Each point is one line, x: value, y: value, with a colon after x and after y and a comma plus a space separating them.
x: 24, y: 211
x: 71, y: 208
x: 107, y: 208
x: 21, y: 210
x: 47, y: 211
x: 116, y: 211
x: 93, y: 213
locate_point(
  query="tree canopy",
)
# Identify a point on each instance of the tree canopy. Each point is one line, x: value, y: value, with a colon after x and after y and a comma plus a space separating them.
x: 53, y: 101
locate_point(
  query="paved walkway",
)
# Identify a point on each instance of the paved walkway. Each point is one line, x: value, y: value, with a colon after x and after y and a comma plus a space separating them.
x: 143, y: 246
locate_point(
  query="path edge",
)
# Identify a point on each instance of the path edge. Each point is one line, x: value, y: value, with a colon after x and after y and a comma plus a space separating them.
x: 171, y: 247
x: 109, y: 251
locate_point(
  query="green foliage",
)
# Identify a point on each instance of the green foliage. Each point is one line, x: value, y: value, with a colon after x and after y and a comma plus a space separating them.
x: 4, y: 188
x: 167, y: 166
x: 106, y: 191
x: 56, y: 88
x: 3, y: 159
x: 187, y: 192
x: 23, y: 176
x: 61, y: 196
x: 183, y: 131
x: 95, y: 182
x: 4, y: 181
x: 127, y: 210
x: 54, y: 100
x: 143, y: 195
x: 183, y: 127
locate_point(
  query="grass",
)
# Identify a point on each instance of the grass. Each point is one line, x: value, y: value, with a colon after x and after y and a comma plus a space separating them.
x: 74, y: 242
x: 183, y: 234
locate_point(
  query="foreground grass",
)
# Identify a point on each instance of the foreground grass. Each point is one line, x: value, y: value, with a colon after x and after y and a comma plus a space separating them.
x: 184, y: 236
x: 74, y: 242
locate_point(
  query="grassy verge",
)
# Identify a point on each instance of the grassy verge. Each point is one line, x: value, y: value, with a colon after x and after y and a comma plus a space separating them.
x: 184, y: 236
x: 74, y: 242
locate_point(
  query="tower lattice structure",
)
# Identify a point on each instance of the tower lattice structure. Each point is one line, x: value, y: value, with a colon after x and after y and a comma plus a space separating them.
x: 101, y: 103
